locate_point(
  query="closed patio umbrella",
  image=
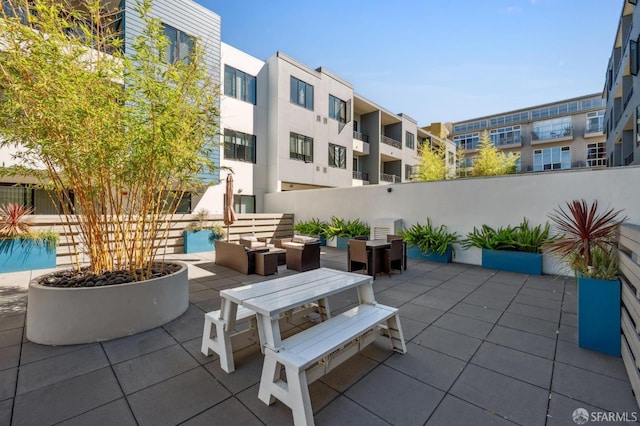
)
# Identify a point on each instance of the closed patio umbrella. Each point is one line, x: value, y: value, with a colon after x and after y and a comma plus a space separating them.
x: 229, y: 215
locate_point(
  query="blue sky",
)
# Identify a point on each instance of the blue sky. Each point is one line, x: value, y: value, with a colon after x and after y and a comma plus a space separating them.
x: 437, y: 60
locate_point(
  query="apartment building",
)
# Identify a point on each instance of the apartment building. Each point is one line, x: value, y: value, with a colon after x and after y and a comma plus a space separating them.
x: 559, y: 135
x: 182, y: 21
x: 622, y: 117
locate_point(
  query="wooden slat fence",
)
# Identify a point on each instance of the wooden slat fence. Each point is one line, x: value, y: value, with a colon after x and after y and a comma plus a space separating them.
x: 260, y: 224
x: 630, y: 315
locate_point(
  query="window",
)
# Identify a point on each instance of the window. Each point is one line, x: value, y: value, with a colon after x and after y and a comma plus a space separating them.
x: 239, y: 85
x: 301, y: 93
x: 184, y: 204
x: 505, y: 136
x: 595, y: 122
x: 242, y: 203
x: 596, y: 154
x: 337, y: 109
x: 408, y: 172
x: 637, y: 126
x: 239, y: 146
x: 300, y: 147
x: 16, y: 194
x: 337, y: 156
x: 552, y: 158
x: 552, y: 129
x: 468, y: 141
x: 409, y: 140
x: 180, y: 45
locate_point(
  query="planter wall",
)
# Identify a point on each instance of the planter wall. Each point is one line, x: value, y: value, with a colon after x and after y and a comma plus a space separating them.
x: 332, y: 242
x: 512, y: 261
x: 198, y: 241
x: 69, y: 316
x: 599, y: 315
x: 416, y: 253
x: 24, y: 255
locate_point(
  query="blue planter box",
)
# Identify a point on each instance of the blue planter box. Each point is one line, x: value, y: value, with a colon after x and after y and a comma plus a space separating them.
x: 342, y: 242
x: 416, y: 253
x: 599, y: 315
x: 323, y: 240
x: 198, y: 241
x: 512, y: 261
x: 24, y: 255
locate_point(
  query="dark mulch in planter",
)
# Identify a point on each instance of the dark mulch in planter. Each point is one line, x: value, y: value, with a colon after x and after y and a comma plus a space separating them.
x: 83, y: 278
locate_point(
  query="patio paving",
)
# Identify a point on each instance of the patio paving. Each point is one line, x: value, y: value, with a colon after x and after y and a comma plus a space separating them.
x: 484, y: 348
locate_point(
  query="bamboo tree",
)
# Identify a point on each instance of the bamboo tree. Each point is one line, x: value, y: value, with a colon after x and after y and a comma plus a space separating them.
x: 129, y: 135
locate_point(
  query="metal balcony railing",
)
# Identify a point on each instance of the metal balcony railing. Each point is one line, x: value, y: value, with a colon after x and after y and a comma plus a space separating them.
x: 388, y: 141
x: 595, y: 128
x: 361, y: 136
x: 550, y: 134
x: 361, y: 175
x: 384, y: 177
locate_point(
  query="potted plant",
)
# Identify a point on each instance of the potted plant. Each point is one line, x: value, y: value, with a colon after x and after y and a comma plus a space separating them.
x: 21, y: 249
x: 428, y: 242
x: 587, y: 245
x: 313, y: 228
x: 511, y: 248
x: 341, y: 231
x: 199, y: 235
x: 119, y: 138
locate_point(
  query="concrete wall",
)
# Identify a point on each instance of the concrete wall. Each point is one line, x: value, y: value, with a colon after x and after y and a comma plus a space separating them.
x: 464, y: 203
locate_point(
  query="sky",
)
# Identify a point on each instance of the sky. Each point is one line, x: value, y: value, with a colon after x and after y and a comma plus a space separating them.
x: 437, y: 60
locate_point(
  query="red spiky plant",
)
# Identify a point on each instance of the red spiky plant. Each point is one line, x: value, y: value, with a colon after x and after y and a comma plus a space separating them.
x: 582, y: 230
x: 14, y: 220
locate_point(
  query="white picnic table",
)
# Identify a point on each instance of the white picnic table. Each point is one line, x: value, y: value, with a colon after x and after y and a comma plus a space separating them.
x: 270, y: 299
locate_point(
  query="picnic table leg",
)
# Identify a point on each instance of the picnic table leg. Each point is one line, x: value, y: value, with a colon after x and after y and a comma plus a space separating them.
x: 323, y: 309
x: 365, y: 293
x: 228, y: 312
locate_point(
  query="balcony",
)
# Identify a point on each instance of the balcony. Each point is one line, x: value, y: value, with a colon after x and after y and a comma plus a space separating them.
x: 594, y: 129
x: 391, y: 142
x: 385, y: 177
x: 361, y: 137
x: 360, y: 175
x: 360, y: 143
x: 547, y: 135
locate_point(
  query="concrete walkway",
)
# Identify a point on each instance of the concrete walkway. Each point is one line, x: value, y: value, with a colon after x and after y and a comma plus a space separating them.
x: 484, y: 348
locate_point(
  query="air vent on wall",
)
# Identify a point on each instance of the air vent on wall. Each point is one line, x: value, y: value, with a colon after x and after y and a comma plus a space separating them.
x: 318, y: 118
x: 317, y: 168
x: 324, y: 120
x: 324, y: 170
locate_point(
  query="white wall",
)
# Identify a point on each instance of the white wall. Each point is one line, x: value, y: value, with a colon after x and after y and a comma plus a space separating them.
x: 464, y: 203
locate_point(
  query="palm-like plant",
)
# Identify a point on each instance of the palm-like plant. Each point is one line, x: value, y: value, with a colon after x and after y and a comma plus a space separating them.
x: 583, y: 231
x: 14, y: 221
x: 429, y: 238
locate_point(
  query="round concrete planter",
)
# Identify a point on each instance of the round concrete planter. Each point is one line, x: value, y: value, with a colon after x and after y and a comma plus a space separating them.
x: 69, y: 316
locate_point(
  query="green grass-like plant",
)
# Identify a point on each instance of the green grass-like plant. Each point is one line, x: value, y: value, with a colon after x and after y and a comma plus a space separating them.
x: 339, y: 227
x: 523, y: 237
x: 314, y: 227
x: 429, y: 238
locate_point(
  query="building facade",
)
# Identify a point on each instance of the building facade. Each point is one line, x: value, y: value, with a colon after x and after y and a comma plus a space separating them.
x: 622, y: 115
x: 559, y: 135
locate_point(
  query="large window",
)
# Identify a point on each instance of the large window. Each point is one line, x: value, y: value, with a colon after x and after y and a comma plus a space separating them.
x: 337, y: 156
x: 552, y: 158
x: 242, y: 203
x: 595, y: 122
x: 505, y: 136
x: 596, y: 154
x: 239, y: 85
x: 16, y: 194
x: 552, y: 129
x: 409, y: 140
x: 337, y: 109
x: 180, y: 45
x: 300, y: 147
x: 239, y: 146
x: 468, y: 141
x: 301, y: 93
